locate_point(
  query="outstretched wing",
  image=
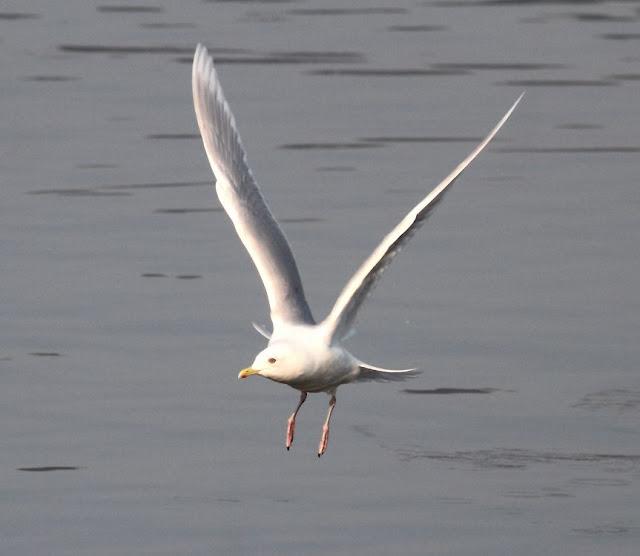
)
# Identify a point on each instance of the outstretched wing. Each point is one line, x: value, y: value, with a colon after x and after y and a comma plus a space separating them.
x: 241, y: 198
x: 339, y: 321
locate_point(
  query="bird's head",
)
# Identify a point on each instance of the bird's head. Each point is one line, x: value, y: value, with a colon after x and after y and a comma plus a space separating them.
x: 280, y: 361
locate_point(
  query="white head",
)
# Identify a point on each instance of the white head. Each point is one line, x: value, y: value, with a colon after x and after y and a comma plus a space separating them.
x: 281, y: 361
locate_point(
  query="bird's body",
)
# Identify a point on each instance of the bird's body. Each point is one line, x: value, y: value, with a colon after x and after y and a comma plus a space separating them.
x: 305, y: 360
x: 301, y: 353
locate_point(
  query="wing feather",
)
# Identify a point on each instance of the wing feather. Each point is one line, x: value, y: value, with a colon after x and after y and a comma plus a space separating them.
x: 241, y: 198
x: 340, y: 319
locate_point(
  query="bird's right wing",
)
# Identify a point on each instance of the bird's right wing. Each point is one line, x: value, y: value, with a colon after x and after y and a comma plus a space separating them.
x: 339, y: 321
x: 242, y: 199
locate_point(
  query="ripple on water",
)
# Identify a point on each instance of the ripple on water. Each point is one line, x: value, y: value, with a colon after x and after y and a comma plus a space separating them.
x: 128, y: 9
x: 16, y: 16
x: 616, y: 399
x: 510, y: 458
x: 46, y: 468
x: 449, y: 391
x: 187, y: 210
x: 287, y: 58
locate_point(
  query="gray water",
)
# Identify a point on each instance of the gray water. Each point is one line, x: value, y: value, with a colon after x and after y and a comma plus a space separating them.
x: 127, y: 299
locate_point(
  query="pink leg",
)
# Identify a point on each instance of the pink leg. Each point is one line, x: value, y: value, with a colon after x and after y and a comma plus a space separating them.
x: 325, y: 429
x: 291, y: 423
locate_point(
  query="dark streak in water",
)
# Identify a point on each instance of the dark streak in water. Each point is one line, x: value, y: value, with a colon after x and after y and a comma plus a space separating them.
x: 416, y: 28
x: 160, y: 185
x: 252, y: 1
x: 51, y: 78
x: 173, y: 136
x: 335, y: 169
x: 559, y: 83
x: 49, y: 468
x: 188, y: 276
x: 150, y: 49
x: 162, y: 25
x: 570, y: 150
x: 421, y: 139
x: 621, y: 36
x: 329, y: 146
x: 625, y: 76
x: 347, y: 11
x: 95, y: 166
x: 579, y: 126
x: 506, y: 458
x: 285, y: 58
x: 123, y: 8
x: 154, y: 275
x: 14, y: 16
x: 608, y: 530
x: 601, y: 17
x: 498, y: 66
x: 515, y: 3
x: 309, y: 219
x: 79, y: 192
x: 616, y: 399
x: 45, y: 354
x: 448, y: 391
x: 186, y: 210
x: 387, y: 72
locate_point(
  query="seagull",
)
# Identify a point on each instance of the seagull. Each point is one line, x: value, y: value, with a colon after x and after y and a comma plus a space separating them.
x: 302, y: 353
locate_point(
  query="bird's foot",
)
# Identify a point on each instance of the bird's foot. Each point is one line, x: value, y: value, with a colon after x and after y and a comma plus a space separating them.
x: 291, y: 429
x: 324, y: 441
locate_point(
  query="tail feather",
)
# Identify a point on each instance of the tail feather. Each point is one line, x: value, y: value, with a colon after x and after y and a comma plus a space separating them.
x: 379, y: 374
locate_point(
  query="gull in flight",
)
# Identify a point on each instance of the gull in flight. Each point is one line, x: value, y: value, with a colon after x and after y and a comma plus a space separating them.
x: 302, y: 353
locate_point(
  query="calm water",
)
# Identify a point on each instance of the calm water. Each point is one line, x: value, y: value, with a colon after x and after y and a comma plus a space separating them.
x: 127, y: 299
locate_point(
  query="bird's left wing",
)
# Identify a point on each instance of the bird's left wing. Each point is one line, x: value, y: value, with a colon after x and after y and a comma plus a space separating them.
x: 339, y: 321
x: 242, y: 199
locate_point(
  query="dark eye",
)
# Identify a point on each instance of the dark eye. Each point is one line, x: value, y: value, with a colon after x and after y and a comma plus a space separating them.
x: 272, y: 360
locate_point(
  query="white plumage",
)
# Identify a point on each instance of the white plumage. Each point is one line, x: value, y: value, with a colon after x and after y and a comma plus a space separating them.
x: 307, y: 356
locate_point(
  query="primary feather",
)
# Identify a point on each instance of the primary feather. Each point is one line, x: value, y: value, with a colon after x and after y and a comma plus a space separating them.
x: 340, y: 320
x: 242, y: 200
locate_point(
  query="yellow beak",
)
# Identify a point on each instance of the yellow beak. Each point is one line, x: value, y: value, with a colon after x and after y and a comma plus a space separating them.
x: 244, y: 373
